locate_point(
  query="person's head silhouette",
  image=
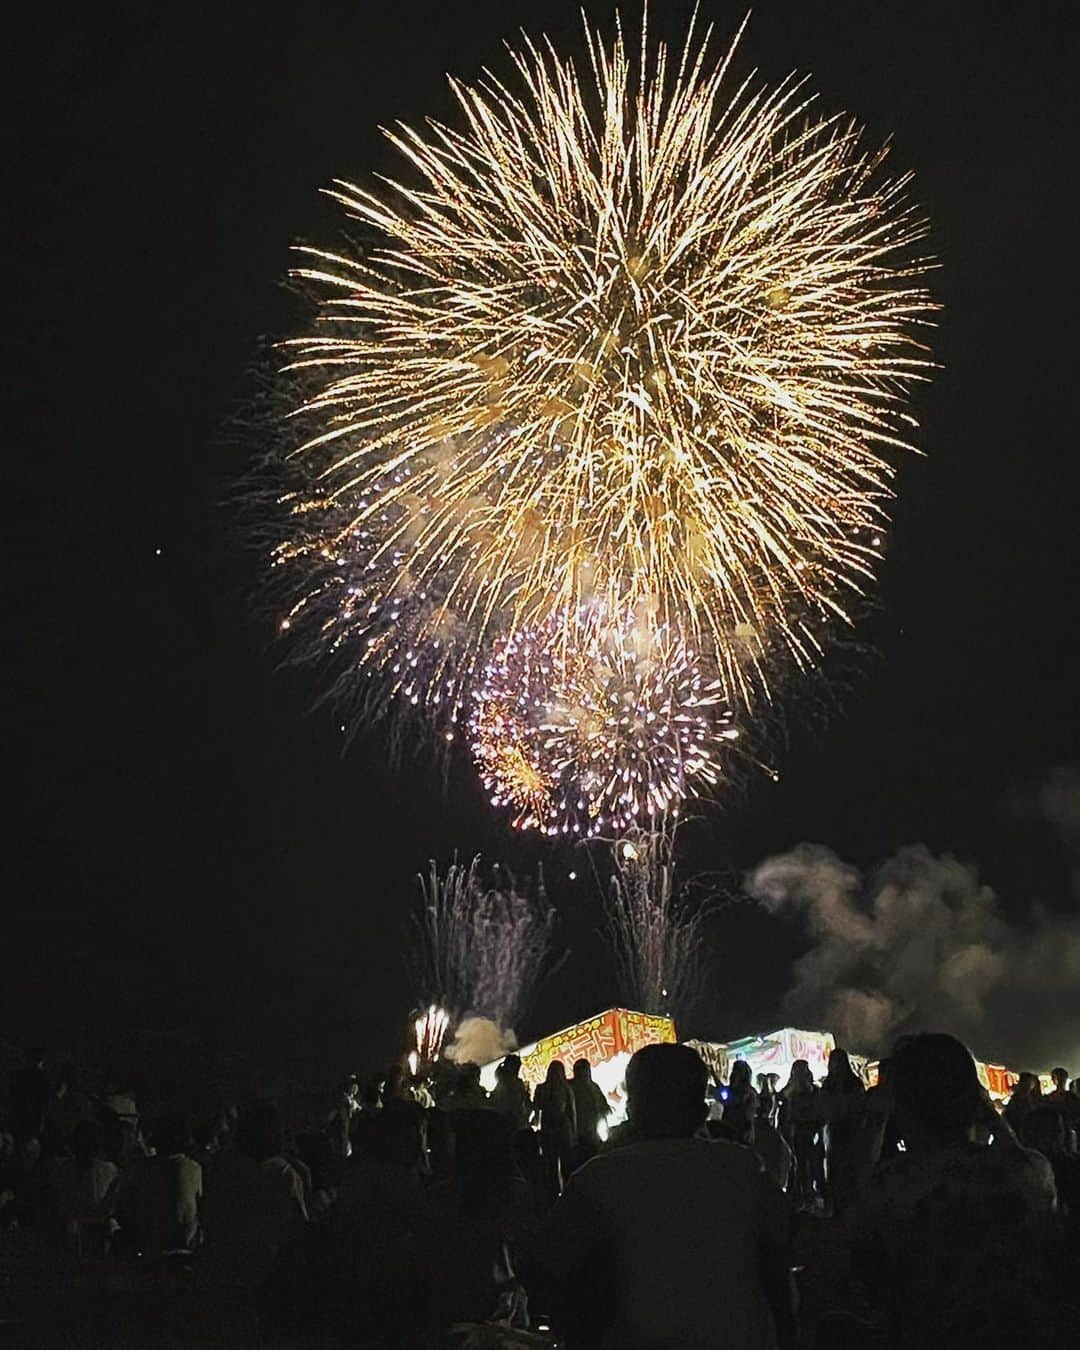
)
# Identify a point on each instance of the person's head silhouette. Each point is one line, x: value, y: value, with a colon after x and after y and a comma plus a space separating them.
x: 936, y: 1090
x: 665, y: 1089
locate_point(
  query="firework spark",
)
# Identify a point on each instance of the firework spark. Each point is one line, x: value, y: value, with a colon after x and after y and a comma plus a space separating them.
x: 430, y: 1028
x: 613, y: 730
x: 627, y: 338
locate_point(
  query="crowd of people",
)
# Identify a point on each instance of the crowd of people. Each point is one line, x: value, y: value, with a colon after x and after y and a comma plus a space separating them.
x: 914, y: 1213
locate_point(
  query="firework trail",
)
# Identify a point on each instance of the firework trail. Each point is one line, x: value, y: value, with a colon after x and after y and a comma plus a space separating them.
x: 656, y: 936
x: 630, y: 342
x: 476, y: 947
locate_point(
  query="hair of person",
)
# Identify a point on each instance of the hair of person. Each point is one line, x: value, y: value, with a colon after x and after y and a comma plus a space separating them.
x: 393, y: 1136
x: 259, y: 1131
x: 841, y: 1075
x: 511, y: 1065
x: 484, y: 1165
x: 556, y: 1072
x: 1044, y: 1129
x: 1063, y: 1074
x: 87, y: 1142
x: 665, y: 1087
x: 741, y: 1074
x: 800, y: 1079
x: 171, y: 1134
x: 583, y: 1069
x: 935, y: 1086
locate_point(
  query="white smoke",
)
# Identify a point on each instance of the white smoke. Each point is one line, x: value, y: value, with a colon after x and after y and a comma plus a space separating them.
x: 921, y: 944
x: 479, y: 1040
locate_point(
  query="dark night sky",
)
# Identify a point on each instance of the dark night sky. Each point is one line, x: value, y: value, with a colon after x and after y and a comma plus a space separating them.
x: 185, y: 838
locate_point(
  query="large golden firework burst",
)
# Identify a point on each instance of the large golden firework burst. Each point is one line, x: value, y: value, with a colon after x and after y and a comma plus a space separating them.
x: 629, y: 337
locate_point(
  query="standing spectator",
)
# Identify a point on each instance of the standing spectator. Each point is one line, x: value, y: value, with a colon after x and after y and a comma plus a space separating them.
x: 1024, y: 1098
x: 741, y: 1103
x: 801, y: 1125
x: 1044, y: 1130
x: 654, y: 1241
x: 339, y: 1122
x: 767, y: 1099
x: 947, y: 1222
x: 773, y: 1152
x: 510, y: 1096
x: 842, y: 1101
x: 553, y: 1104
x: 467, y: 1093
x: 590, y: 1108
x: 1067, y: 1105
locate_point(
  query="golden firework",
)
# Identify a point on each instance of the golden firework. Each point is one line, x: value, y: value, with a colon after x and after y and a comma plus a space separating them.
x: 629, y: 341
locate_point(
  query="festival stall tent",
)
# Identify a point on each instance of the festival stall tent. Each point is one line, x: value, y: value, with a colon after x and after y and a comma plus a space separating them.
x: 607, y: 1041
x: 774, y: 1052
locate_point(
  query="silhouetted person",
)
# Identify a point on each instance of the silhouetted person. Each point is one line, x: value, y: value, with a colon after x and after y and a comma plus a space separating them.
x: 590, y: 1108
x: 83, y: 1185
x: 767, y: 1099
x: 841, y: 1102
x: 478, y: 1220
x: 674, y: 1240
x: 510, y: 1096
x: 553, y: 1105
x: 741, y: 1103
x: 773, y: 1151
x: 467, y: 1094
x: 1025, y: 1096
x: 30, y: 1097
x: 947, y: 1222
x: 1067, y: 1105
x: 801, y: 1126
x: 342, y: 1113
x: 253, y: 1203
x: 158, y: 1197
x: 1046, y: 1131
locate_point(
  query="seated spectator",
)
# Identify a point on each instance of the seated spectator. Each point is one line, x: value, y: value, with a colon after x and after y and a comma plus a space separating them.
x: 84, y: 1185
x: 360, y: 1268
x: 662, y: 1241
x: 254, y: 1201
x: 478, y: 1218
x: 947, y: 1220
x: 30, y: 1098
x: 157, y: 1199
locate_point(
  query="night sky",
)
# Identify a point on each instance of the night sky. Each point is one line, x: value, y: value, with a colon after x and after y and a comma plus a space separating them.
x: 188, y: 850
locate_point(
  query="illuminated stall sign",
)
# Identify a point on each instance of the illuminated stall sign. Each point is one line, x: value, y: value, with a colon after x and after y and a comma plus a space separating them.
x: 607, y: 1041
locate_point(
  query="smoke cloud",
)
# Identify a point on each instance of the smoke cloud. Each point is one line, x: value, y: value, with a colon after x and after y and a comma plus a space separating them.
x: 921, y: 944
x: 479, y: 1040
